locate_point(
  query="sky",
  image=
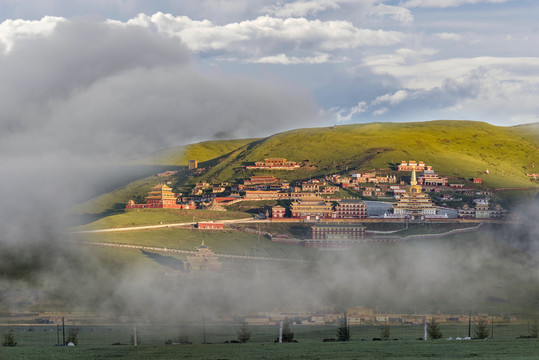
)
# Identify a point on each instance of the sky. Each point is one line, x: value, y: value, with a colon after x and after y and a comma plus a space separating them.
x: 335, y: 61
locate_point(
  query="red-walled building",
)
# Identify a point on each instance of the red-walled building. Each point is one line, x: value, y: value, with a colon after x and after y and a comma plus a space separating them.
x: 350, y: 209
x: 210, y: 226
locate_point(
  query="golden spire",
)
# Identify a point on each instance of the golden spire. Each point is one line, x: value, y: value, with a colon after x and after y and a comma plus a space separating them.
x: 414, y: 179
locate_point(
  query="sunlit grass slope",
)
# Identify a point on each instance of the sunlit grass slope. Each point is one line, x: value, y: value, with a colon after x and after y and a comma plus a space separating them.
x: 115, y: 200
x: 458, y: 149
x: 140, y: 217
x: 203, y: 151
x: 224, y: 242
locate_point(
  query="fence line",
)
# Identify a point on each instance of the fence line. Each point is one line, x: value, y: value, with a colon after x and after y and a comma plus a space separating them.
x: 179, y: 251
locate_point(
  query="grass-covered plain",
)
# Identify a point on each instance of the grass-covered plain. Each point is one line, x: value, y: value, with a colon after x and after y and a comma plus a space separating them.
x: 224, y: 242
x: 139, y: 217
x: 95, y: 342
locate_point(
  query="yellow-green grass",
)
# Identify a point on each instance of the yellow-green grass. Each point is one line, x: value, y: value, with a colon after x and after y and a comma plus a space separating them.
x: 458, y: 149
x: 116, y: 200
x: 140, y: 217
x: 203, y: 151
x: 220, y: 241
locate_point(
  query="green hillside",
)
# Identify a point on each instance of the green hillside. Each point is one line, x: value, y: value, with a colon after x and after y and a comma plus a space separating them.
x: 203, y: 151
x: 171, y: 159
x: 458, y: 149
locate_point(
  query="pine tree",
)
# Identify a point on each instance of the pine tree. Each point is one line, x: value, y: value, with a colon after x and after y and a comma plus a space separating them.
x: 433, y: 329
x: 481, y: 329
x: 343, y: 330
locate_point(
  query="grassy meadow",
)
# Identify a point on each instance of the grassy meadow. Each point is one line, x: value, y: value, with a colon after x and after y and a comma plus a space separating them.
x: 95, y: 342
x: 140, y: 217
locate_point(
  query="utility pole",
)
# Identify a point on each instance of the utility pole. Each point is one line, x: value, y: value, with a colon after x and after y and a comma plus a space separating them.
x: 204, y: 328
x: 281, y: 332
x: 135, y: 334
x: 63, y: 332
x: 470, y: 324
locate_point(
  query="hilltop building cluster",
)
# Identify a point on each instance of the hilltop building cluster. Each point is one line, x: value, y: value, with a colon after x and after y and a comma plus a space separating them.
x: 337, y: 197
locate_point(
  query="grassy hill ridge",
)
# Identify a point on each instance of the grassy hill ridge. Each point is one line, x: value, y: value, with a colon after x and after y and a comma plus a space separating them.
x: 459, y: 149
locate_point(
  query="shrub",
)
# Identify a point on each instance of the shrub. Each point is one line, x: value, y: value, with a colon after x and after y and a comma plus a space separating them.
x: 433, y: 329
x: 73, y: 336
x: 9, y: 339
x: 243, y: 333
x: 288, y: 334
x: 385, y: 332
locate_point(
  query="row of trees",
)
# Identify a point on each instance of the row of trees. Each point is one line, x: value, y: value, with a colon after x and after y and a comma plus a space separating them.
x: 481, y: 331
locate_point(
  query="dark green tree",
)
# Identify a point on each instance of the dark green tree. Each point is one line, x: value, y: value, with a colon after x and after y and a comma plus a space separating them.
x: 244, y: 334
x: 385, y: 332
x: 288, y: 334
x: 433, y: 329
x: 343, y: 330
x: 9, y: 339
x: 73, y: 336
x: 481, y: 329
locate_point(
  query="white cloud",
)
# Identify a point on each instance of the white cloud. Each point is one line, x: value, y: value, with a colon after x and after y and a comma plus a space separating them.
x: 398, y: 13
x: 344, y: 115
x: 414, y: 71
x: 446, y: 3
x: 392, y: 99
x: 380, y: 111
x: 303, y: 8
x: 266, y: 35
x: 448, y: 36
x: 13, y: 30
x: 503, y: 94
x: 285, y: 60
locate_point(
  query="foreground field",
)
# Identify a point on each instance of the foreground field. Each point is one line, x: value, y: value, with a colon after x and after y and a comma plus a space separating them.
x: 96, y: 343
